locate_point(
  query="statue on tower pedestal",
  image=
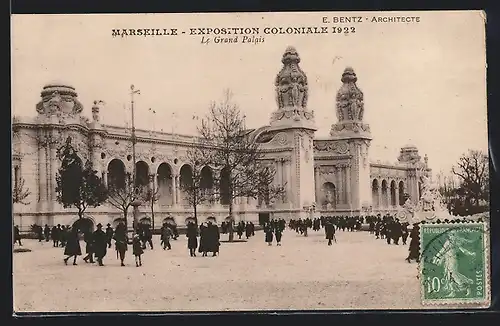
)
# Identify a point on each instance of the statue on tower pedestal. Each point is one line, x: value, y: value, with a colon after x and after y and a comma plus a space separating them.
x: 349, y: 107
x: 292, y: 91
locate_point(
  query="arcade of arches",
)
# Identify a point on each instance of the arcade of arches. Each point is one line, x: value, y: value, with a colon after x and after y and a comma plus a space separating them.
x: 171, y: 189
x: 386, y: 194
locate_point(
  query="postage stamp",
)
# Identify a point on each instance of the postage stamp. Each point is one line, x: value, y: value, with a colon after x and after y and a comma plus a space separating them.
x: 454, y: 264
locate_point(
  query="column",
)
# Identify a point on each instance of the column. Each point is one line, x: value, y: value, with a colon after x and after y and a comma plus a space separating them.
x: 174, y: 190
x: 317, y: 185
x: 396, y: 194
x: 348, y: 186
x: 379, y: 195
x: 340, y: 191
x: 105, y: 178
x: 288, y: 193
x: 279, y: 172
x: 53, y: 166
x: 389, y: 195
x: 42, y: 177
x: 151, y: 182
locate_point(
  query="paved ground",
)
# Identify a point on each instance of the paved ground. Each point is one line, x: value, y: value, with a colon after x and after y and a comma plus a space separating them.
x: 359, y: 272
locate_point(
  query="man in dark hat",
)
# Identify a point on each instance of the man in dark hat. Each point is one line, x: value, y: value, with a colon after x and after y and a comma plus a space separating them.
x: 100, y: 243
x: 109, y: 234
x: 121, y: 241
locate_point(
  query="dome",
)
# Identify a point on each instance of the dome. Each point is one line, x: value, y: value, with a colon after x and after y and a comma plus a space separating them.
x: 62, y: 88
x: 409, y: 146
x: 290, y: 56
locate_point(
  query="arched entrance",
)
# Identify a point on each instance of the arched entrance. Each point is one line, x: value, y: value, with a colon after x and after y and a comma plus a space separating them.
x: 142, y: 174
x: 116, y: 174
x: 165, y: 185
x: 384, y: 194
x: 186, y: 181
x: 84, y: 225
x: 207, y: 183
x: 375, y: 194
x: 393, y: 193
x: 401, y: 189
x: 329, y: 200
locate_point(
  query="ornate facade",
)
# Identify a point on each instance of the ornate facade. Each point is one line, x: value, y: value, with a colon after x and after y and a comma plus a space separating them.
x: 322, y: 176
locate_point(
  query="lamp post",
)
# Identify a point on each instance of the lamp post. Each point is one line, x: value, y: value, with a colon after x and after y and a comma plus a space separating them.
x: 136, y: 203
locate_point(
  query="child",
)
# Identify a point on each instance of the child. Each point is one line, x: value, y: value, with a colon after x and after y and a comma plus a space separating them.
x: 137, y: 250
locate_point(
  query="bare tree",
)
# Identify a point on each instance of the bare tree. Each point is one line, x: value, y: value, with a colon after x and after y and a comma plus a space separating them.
x: 239, y: 158
x: 19, y: 192
x: 195, y: 189
x: 150, y: 196
x: 472, y: 169
x: 122, y: 197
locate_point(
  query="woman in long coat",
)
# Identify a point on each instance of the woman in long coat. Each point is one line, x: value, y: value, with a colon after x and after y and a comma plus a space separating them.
x: 414, y: 244
x: 269, y: 234
x: 203, y: 240
x: 329, y: 232
x: 121, y: 241
x: 72, y: 248
x: 277, y: 234
x: 214, y: 238
x: 192, y: 234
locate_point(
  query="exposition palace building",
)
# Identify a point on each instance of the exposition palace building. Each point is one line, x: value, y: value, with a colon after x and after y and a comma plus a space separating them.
x: 333, y: 175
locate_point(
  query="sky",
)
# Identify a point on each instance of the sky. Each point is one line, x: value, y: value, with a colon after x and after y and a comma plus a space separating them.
x: 424, y: 83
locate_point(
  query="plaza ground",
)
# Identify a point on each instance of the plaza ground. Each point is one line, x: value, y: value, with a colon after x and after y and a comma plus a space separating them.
x: 358, y: 272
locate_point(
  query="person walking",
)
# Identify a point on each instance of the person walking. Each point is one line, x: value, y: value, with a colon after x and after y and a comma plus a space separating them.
x: 99, y: 244
x: 137, y: 250
x: 192, y: 234
x: 72, y: 246
x: 17, y: 235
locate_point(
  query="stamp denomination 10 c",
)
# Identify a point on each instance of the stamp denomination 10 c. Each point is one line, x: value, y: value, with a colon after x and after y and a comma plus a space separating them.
x: 454, y: 264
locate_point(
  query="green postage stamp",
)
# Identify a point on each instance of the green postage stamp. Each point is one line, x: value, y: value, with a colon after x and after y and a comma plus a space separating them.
x: 454, y: 264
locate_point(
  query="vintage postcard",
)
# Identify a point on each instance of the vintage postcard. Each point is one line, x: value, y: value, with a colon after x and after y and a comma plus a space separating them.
x: 250, y: 161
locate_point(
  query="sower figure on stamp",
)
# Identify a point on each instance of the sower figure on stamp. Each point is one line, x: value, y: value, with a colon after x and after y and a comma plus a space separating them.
x: 72, y: 246
x: 100, y: 244
x: 191, y: 234
x: 121, y: 242
x: 455, y: 281
x: 87, y: 237
x: 109, y: 234
x: 137, y: 250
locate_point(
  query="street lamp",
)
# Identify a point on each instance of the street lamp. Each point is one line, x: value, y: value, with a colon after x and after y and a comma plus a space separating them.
x: 136, y: 203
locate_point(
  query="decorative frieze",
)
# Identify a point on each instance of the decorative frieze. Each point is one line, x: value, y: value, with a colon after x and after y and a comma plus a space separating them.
x: 332, y: 146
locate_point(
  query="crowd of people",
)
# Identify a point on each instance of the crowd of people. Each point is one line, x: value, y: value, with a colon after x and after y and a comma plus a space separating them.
x: 386, y: 227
